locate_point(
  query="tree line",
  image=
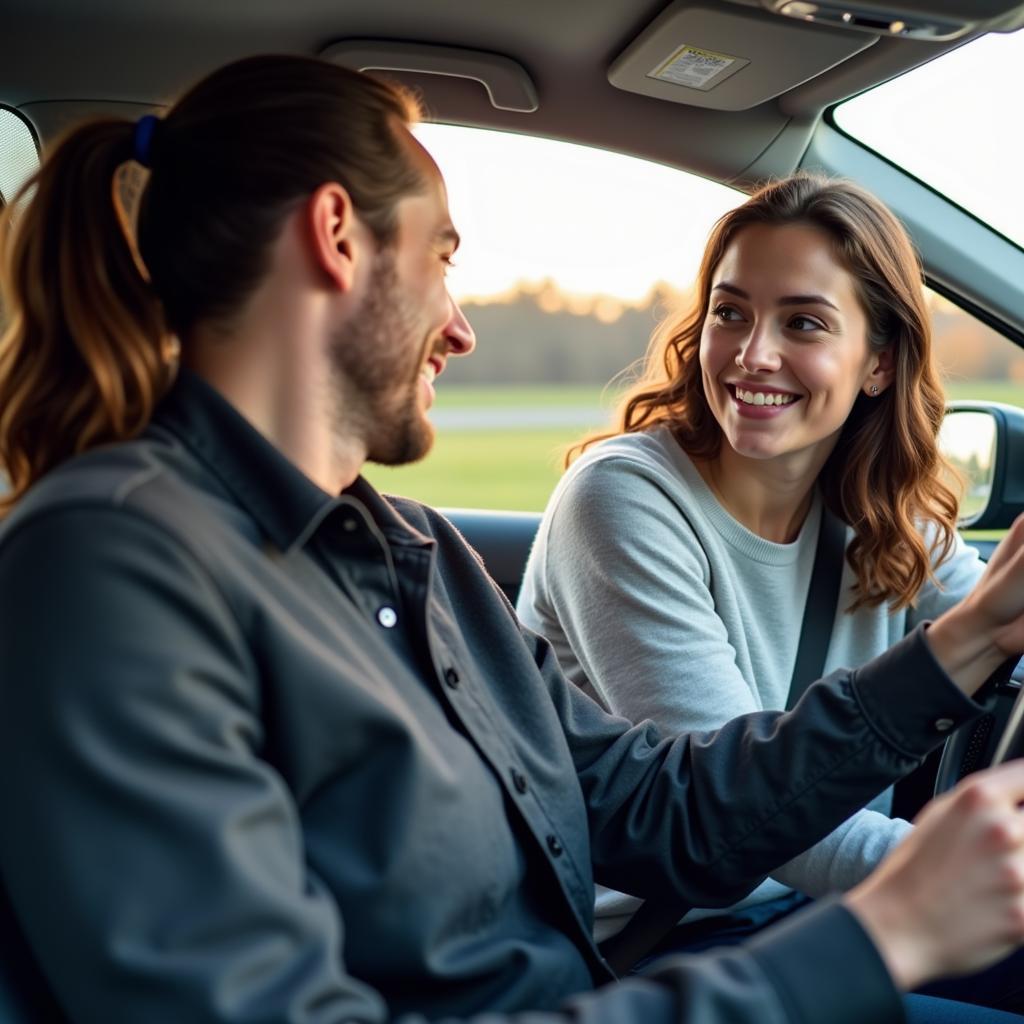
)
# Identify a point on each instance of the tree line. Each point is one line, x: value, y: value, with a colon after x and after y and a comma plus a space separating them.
x: 538, y: 335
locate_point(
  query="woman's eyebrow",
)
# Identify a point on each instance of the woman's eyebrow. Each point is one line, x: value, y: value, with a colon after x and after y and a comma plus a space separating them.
x: 785, y: 300
x: 724, y: 286
x: 808, y: 300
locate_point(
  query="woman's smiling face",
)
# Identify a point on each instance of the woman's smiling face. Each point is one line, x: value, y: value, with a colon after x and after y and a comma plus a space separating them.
x: 784, y: 350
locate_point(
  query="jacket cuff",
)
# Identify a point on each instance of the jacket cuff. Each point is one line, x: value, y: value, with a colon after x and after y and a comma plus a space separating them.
x: 823, y: 966
x: 908, y: 698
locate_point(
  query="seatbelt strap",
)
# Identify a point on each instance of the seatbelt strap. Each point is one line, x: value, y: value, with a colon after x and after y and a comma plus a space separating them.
x: 656, y: 918
x: 820, y: 609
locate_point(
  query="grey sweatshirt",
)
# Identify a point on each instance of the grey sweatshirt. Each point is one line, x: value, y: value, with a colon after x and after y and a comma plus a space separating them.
x: 660, y: 605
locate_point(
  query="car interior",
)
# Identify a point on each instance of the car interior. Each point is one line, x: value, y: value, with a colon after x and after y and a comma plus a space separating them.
x: 737, y: 91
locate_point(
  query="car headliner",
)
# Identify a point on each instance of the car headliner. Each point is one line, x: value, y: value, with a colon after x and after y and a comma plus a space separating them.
x: 61, y: 59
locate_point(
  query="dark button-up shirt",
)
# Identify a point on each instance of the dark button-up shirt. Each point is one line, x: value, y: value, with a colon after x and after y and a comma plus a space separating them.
x: 268, y: 754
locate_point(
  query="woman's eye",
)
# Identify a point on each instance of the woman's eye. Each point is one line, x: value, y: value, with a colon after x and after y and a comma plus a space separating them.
x: 724, y: 312
x: 806, y: 323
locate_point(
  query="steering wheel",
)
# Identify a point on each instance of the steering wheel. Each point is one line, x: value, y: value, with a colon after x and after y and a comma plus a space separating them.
x: 997, y: 736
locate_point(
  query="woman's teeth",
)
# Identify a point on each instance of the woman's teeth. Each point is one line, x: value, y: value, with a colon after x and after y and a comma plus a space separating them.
x: 763, y: 397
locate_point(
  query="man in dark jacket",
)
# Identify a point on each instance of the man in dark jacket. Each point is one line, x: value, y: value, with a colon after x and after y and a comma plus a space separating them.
x: 275, y: 748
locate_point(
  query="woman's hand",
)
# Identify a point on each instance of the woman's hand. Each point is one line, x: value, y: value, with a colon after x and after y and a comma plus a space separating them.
x: 971, y: 640
x: 950, y: 898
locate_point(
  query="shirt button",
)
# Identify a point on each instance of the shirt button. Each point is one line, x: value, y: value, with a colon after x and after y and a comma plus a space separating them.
x: 519, y: 781
x: 387, y: 617
x: 349, y: 525
x: 944, y: 724
x: 554, y: 846
x: 451, y: 677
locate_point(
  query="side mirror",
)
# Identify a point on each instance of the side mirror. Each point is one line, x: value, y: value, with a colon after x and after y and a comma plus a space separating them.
x: 985, y: 442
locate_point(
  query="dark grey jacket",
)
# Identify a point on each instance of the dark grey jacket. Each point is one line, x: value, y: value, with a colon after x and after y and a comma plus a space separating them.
x: 268, y: 755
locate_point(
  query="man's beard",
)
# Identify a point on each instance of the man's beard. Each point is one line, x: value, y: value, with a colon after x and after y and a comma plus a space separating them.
x: 376, y: 361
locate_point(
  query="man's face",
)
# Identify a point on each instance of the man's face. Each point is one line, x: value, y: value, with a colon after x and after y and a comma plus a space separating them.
x: 388, y: 355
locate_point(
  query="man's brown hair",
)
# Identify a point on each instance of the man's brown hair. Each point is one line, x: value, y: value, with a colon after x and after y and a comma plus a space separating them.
x: 95, y: 309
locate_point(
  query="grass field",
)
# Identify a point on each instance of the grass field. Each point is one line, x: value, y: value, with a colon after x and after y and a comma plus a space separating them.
x: 522, y: 397
x: 1008, y: 391
x: 516, y: 469
x: 482, y: 469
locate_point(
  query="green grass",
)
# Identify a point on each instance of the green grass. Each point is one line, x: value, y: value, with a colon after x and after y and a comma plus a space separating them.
x: 1008, y: 391
x: 482, y: 469
x: 500, y: 469
x: 516, y: 469
x: 466, y: 397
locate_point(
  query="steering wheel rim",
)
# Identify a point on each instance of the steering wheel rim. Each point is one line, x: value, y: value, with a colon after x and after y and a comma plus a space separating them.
x: 998, y: 735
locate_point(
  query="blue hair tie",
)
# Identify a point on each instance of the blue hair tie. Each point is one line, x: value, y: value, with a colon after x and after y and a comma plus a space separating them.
x: 143, y: 139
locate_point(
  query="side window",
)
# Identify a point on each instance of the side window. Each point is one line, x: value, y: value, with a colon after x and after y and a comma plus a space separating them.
x: 19, y: 154
x: 976, y: 363
x: 19, y: 160
x: 569, y: 258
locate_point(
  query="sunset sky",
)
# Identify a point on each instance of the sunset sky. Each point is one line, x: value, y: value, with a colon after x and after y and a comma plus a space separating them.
x: 530, y: 209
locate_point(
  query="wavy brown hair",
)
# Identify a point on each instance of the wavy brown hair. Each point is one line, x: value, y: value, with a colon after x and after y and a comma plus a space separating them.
x: 885, y: 476
x: 94, y: 314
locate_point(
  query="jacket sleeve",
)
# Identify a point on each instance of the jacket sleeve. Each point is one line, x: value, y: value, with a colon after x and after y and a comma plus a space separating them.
x: 707, y: 816
x: 639, y: 617
x: 155, y: 859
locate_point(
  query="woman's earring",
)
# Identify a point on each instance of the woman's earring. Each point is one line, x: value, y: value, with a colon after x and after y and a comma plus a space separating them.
x: 874, y: 390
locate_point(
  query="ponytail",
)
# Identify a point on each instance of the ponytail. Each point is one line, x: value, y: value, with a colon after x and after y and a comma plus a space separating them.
x: 83, y: 360
x: 95, y: 306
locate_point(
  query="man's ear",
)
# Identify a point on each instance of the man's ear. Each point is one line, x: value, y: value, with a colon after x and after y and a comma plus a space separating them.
x: 882, y: 373
x: 333, y: 233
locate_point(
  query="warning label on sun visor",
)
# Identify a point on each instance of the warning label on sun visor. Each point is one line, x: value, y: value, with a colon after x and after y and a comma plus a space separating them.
x: 695, y: 68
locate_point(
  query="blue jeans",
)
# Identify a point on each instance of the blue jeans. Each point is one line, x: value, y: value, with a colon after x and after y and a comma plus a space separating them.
x: 992, y: 996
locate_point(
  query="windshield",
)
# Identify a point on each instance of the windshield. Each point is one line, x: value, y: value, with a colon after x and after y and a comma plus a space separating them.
x: 954, y: 124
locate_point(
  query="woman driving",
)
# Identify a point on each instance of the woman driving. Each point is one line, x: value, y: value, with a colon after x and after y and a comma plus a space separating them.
x: 673, y: 564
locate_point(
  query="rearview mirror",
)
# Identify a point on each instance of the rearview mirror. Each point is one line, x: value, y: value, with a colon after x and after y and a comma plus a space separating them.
x: 985, y: 442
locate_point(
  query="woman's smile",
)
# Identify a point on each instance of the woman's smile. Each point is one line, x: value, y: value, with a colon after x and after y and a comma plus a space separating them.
x: 784, y: 348
x: 761, y: 403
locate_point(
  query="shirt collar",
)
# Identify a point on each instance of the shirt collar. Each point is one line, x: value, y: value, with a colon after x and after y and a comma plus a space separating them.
x: 383, y: 513
x: 286, y: 504
x: 272, y: 489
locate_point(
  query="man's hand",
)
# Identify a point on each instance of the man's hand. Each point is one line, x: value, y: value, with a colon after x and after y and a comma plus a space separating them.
x: 971, y: 640
x: 950, y: 899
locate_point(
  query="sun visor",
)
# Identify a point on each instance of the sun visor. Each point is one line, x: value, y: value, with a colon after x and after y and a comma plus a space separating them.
x: 728, y: 60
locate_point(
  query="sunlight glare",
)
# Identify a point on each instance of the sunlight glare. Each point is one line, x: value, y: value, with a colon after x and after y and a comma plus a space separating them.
x: 953, y: 123
x: 596, y: 223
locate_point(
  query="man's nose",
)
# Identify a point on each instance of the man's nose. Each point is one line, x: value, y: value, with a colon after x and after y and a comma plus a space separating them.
x: 458, y: 333
x: 759, y: 352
